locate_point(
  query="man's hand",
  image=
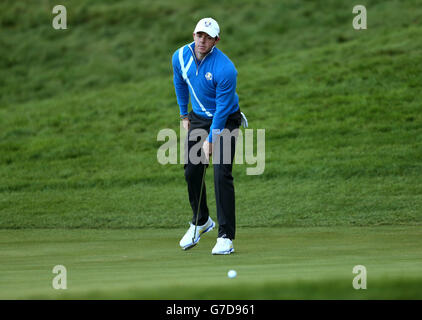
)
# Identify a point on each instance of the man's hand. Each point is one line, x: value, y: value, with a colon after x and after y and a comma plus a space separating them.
x: 207, y: 148
x: 186, y: 123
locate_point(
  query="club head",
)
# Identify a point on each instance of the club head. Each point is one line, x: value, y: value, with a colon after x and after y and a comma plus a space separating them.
x: 191, y: 246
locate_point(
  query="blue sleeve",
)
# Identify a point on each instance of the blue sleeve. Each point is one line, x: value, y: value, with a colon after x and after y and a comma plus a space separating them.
x: 225, y: 98
x: 180, y: 86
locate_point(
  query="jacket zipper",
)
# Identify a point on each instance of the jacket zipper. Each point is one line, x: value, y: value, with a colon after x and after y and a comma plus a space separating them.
x: 196, y: 62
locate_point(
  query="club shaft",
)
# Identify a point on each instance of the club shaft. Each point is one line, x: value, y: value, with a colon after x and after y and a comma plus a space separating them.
x: 199, y: 202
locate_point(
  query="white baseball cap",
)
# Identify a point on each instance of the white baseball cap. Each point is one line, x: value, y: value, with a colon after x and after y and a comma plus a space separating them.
x: 208, y: 25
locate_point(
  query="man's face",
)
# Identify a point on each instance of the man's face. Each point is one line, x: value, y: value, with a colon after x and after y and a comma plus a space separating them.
x: 203, y: 42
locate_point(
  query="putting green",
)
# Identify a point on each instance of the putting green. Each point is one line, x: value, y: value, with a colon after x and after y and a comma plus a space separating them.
x: 272, y: 263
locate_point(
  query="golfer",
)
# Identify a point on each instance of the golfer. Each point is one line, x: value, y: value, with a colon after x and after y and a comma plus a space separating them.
x: 206, y: 75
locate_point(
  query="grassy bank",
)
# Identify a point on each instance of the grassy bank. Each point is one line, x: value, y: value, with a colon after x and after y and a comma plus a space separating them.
x: 80, y: 111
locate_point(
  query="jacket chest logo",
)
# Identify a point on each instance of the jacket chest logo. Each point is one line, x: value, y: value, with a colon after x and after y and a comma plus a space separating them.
x: 208, y: 76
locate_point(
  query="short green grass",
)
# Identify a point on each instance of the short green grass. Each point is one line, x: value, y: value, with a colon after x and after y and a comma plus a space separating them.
x: 272, y: 263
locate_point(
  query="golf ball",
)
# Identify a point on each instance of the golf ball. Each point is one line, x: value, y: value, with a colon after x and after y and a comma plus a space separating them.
x: 232, y: 274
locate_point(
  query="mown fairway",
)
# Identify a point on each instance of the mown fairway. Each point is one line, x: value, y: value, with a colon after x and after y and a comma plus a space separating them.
x: 272, y: 263
x: 80, y: 184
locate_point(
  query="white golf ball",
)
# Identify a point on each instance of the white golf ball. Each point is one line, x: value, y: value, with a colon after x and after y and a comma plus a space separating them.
x: 232, y: 274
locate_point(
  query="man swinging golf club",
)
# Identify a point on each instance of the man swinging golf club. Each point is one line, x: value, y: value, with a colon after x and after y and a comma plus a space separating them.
x: 206, y: 75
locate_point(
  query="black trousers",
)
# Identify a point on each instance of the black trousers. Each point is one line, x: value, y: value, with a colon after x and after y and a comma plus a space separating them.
x: 223, y: 179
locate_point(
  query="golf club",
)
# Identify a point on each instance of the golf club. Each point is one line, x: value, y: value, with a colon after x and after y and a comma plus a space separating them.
x: 199, y: 205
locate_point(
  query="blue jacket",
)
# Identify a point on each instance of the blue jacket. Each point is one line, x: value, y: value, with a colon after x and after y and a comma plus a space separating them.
x: 211, y: 85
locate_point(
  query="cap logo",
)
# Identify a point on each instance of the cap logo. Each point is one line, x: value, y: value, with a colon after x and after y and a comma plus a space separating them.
x: 207, y: 23
x: 208, y: 76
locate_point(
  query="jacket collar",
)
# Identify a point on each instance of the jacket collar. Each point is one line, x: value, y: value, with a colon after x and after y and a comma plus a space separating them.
x: 192, y: 48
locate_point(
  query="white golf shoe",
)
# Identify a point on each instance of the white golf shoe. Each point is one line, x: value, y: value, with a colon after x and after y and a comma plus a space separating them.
x: 223, y: 246
x: 188, y: 241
